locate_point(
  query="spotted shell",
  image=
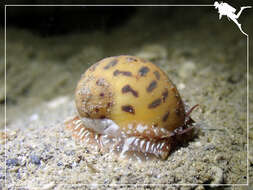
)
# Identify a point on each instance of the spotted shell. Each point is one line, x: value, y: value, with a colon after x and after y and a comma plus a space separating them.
x: 134, y: 99
x: 132, y: 92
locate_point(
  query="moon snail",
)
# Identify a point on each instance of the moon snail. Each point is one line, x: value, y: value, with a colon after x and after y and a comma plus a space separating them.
x: 128, y: 105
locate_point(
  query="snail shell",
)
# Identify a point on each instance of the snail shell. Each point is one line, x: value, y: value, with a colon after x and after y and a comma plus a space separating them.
x: 127, y: 104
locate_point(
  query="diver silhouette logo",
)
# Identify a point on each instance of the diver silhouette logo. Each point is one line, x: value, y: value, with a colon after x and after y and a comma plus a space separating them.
x: 229, y: 11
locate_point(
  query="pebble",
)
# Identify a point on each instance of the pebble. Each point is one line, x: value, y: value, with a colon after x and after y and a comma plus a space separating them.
x: 217, y: 175
x: 187, y: 69
x: 181, y: 86
x: 198, y: 144
x: 35, y: 159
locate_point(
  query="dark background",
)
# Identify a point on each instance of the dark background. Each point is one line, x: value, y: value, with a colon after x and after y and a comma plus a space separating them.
x: 62, y: 20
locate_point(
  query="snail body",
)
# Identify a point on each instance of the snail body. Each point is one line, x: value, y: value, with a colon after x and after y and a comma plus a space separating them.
x: 128, y: 105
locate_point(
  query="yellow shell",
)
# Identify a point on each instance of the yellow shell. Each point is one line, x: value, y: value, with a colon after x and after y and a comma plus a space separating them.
x: 133, y: 93
x: 127, y: 104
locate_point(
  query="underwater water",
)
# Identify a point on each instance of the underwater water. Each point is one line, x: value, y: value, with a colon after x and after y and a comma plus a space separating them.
x: 204, y: 57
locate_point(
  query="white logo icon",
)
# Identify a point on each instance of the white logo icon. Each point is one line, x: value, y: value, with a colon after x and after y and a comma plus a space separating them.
x: 229, y: 11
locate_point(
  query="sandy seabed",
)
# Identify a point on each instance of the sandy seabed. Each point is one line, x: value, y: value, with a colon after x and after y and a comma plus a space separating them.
x: 208, y: 69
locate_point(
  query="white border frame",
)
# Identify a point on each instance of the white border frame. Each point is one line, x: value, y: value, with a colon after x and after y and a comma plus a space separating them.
x: 125, y: 5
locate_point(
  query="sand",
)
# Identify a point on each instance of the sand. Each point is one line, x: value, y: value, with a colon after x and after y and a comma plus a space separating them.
x: 207, y: 63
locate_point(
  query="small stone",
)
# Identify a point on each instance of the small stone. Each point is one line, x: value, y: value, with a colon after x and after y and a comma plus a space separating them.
x: 187, y: 69
x: 181, y: 86
x: 198, y: 144
x: 217, y: 175
x: 35, y: 159
x: 12, y: 162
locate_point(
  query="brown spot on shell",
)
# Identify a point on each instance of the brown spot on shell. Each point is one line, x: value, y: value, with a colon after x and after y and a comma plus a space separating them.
x: 143, y: 71
x: 128, y: 108
x: 165, y: 117
x: 109, y: 104
x: 102, y: 94
x: 128, y: 88
x: 155, y: 103
x: 157, y: 75
x: 125, y: 73
x: 111, y: 64
x: 165, y: 95
x: 152, y: 86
